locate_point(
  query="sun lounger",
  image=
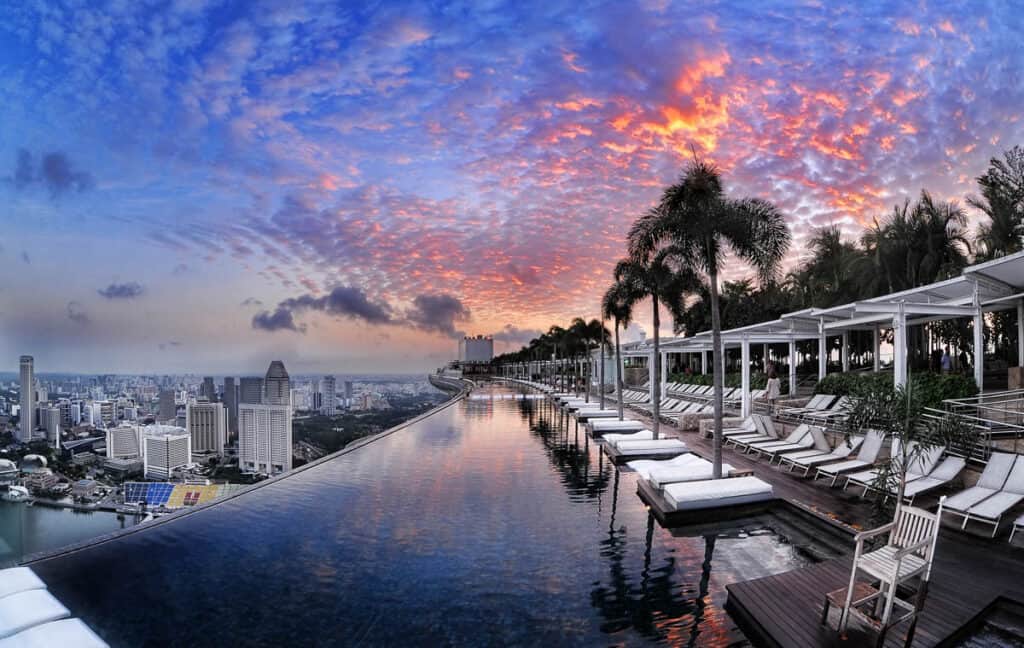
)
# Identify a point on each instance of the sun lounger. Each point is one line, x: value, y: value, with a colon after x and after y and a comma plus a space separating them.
x: 643, y: 467
x: 26, y: 609
x: 587, y: 414
x: 797, y: 434
x: 66, y: 632
x: 945, y: 472
x: 642, y: 435
x: 659, y: 447
x: 804, y: 441
x: 814, y: 439
x: 816, y: 404
x: 600, y: 426
x: 866, y: 457
x: 991, y: 509
x: 717, y: 493
x: 18, y: 579
x: 837, y: 412
x: 919, y: 468
x: 810, y: 460
x: 763, y: 431
x: 992, y: 479
x: 698, y: 470
x: 1017, y: 524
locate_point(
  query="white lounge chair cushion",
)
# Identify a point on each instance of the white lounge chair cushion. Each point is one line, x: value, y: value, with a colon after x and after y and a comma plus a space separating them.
x: 643, y: 467
x: 844, y: 466
x: 997, y: 470
x: 596, y: 413
x: 72, y: 633
x: 944, y: 473
x: 26, y: 609
x: 700, y: 470
x: 642, y: 435
x: 993, y: 507
x: 628, y: 424
x: 661, y: 446
x: 18, y: 579
x: 715, y: 493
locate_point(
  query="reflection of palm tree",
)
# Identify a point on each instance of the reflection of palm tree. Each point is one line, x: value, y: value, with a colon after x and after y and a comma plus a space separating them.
x: 705, y: 579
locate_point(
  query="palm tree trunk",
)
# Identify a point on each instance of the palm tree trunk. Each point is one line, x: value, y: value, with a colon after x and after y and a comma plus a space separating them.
x: 618, y: 368
x: 717, y: 371
x: 656, y: 382
x: 601, y: 368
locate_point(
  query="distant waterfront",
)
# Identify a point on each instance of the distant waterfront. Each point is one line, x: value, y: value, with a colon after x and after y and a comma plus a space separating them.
x: 26, y: 530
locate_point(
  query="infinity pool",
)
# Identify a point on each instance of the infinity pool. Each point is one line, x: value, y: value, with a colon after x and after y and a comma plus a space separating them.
x: 484, y: 523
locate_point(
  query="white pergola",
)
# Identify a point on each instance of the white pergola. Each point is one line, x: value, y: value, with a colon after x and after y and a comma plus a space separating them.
x: 982, y: 288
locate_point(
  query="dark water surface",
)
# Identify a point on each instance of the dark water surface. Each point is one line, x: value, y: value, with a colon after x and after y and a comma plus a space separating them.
x: 481, y: 524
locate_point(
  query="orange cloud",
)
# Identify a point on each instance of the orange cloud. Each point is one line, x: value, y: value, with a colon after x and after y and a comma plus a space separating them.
x: 694, y: 75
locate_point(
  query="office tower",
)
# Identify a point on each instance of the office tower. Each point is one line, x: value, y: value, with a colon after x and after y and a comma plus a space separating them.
x: 329, y: 397
x: 250, y: 390
x: 108, y: 413
x: 264, y: 438
x: 165, y: 450
x: 28, y: 399
x: 168, y: 410
x: 66, y: 417
x: 50, y: 418
x: 124, y: 442
x: 277, y: 388
x: 208, y: 390
x: 231, y: 405
x: 208, y: 426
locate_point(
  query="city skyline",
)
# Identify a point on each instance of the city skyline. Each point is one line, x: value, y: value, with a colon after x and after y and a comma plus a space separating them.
x: 210, y: 188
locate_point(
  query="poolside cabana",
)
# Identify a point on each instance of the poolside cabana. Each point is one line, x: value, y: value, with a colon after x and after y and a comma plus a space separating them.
x: 980, y: 289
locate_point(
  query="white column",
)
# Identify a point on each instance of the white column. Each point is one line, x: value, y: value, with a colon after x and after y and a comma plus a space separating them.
x: 899, y: 354
x: 664, y: 372
x: 764, y: 360
x: 704, y: 362
x: 650, y: 374
x: 846, y: 351
x: 875, y: 348
x: 1020, y: 333
x: 979, y: 348
x: 745, y: 378
x: 822, y: 350
x: 792, y: 368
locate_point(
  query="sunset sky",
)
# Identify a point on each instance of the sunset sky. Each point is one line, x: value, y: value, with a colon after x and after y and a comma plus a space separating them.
x: 209, y: 186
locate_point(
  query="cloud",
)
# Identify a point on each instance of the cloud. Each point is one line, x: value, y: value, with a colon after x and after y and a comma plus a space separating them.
x: 279, y: 320
x: 170, y: 344
x: 76, y: 314
x: 54, y: 171
x: 180, y: 269
x: 251, y: 301
x: 437, y: 313
x: 128, y: 290
x: 513, y: 335
x: 343, y: 301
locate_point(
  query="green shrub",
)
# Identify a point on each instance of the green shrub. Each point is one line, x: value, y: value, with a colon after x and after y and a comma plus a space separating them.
x: 930, y: 388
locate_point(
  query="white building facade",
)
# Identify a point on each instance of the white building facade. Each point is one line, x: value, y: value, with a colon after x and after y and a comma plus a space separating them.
x: 207, y: 424
x: 28, y: 399
x: 478, y: 349
x: 163, y: 453
x: 264, y: 438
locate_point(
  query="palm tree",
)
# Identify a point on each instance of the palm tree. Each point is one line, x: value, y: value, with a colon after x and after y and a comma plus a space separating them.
x: 702, y: 224
x: 1002, y: 200
x: 616, y: 307
x: 659, y: 276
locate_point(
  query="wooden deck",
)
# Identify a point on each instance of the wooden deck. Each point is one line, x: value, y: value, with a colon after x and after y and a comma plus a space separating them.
x: 970, y: 574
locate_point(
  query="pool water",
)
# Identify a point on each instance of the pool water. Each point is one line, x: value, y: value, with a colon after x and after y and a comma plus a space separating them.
x: 486, y: 523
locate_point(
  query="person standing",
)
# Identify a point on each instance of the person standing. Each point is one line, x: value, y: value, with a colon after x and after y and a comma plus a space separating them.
x: 947, y: 361
x: 772, y: 390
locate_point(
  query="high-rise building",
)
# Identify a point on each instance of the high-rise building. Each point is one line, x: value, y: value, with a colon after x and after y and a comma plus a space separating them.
x: 164, y: 451
x: 348, y: 391
x: 168, y: 410
x: 28, y: 399
x: 124, y: 442
x: 328, y: 396
x: 208, y: 390
x: 108, y: 412
x: 264, y: 438
x: 277, y: 389
x: 478, y: 349
x: 207, y: 424
x: 231, y: 404
x: 250, y: 390
x: 50, y: 419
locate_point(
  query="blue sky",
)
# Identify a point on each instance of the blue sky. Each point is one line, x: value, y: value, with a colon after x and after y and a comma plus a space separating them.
x: 210, y: 185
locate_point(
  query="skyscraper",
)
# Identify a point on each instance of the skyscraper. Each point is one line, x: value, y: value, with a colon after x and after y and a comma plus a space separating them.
x: 207, y: 425
x: 28, y: 399
x: 208, y: 389
x: 329, y: 396
x: 348, y: 391
x: 264, y: 438
x: 277, y: 389
x: 250, y: 390
x: 231, y: 403
x: 168, y: 410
